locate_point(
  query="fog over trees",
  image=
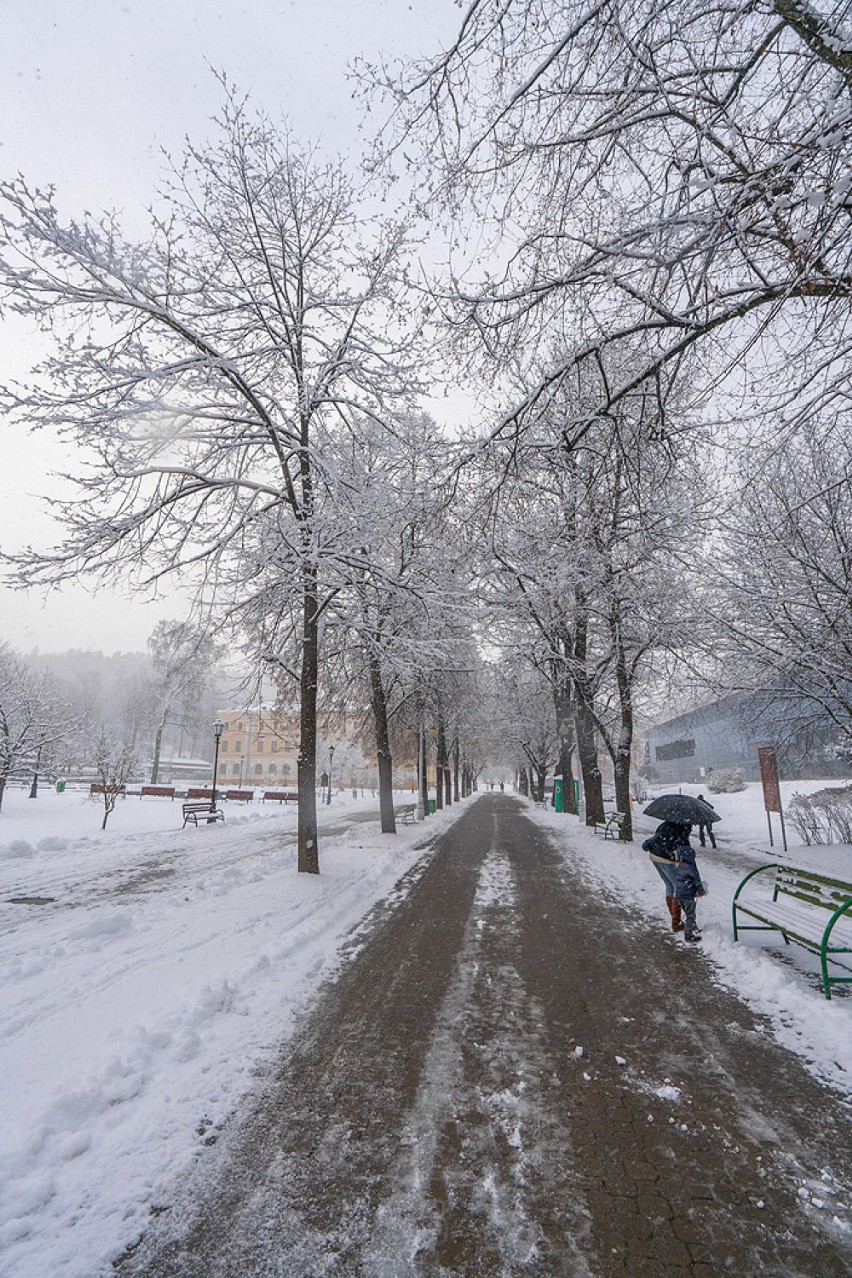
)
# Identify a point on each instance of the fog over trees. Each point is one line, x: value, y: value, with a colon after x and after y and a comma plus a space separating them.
x: 643, y: 215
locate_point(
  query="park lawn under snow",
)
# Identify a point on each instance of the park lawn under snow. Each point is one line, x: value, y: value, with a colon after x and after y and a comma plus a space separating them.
x: 142, y: 1002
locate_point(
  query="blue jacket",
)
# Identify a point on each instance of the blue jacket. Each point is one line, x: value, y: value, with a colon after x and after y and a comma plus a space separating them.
x: 688, y: 883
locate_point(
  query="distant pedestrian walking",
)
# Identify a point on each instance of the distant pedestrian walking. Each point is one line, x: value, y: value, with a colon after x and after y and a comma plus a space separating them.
x: 688, y: 887
x: 705, y: 827
x: 661, y: 849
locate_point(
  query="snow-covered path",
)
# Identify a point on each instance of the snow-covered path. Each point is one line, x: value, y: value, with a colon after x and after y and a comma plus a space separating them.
x: 516, y: 1075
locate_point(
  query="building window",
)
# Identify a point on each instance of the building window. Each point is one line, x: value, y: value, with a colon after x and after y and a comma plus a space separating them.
x: 683, y: 749
x: 275, y: 747
x: 223, y: 768
x: 238, y: 747
x: 258, y: 769
x: 224, y: 747
x: 260, y: 747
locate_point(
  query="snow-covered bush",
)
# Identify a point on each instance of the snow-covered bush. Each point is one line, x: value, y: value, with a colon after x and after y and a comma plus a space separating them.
x: 726, y: 781
x: 824, y: 817
x: 639, y: 789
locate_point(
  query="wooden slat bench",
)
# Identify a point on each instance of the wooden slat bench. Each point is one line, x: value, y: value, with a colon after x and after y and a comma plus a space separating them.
x: 407, y: 814
x: 807, y: 908
x: 157, y: 792
x: 280, y: 796
x: 611, y: 826
x: 96, y: 788
x: 193, y: 793
x: 206, y: 811
x: 241, y: 796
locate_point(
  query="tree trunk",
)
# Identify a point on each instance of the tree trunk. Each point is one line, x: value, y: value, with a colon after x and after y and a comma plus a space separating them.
x: 456, y: 769
x: 587, y: 752
x: 621, y: 759
x: 440, y: 763
x: 383, y: 751
x: 424, y: 780
x: 584, y: 723
x: 155, y: 767
x: 565, y: 725
x: 308, y: 850
x: 2, y: 789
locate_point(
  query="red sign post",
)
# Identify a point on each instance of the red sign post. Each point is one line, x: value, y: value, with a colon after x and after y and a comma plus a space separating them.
x: 768, y: 762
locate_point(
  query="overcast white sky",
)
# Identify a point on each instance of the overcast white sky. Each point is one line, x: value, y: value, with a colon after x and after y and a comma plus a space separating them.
x: 90, y: 91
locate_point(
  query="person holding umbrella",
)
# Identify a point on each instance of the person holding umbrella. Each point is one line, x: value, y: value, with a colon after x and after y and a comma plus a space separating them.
x: 674, y: 859
x: 661, y: 849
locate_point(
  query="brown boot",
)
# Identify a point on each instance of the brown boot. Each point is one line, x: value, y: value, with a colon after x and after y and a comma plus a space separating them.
x: 674, y: 910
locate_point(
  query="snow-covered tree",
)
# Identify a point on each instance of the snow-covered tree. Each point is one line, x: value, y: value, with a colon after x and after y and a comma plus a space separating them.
x: 592, y: 547
x: 780, y: 584
x: 206, y: 370
x: 672, y: 179
x: 182, y: 655
x: 33, y: 720
x: 115, y: 759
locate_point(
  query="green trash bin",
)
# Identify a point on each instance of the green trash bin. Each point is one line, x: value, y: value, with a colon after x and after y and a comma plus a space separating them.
x: 60, y: 787
x: 354, y: 794
x: 557, y: 794
x: 432, y: 805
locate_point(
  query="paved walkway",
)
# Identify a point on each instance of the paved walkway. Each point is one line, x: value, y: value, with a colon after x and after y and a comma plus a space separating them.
x: 513, y: 1077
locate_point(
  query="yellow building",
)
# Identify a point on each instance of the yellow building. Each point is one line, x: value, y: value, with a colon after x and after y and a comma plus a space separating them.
x: 259, y: 747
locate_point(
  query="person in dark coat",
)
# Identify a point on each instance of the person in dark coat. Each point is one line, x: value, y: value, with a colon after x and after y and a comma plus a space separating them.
x: 688, y: 887
x: 661, y: 849
x: 705, y: 826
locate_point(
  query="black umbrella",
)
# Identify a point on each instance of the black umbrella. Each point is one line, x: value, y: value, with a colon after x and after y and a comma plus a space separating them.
x: 682, y: 808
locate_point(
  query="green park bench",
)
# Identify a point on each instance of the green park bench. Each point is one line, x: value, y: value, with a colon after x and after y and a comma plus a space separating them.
x: 611, y: 826
x: 807, y: 908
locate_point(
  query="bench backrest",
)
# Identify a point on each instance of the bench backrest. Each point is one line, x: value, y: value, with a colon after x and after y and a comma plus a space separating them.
x: 239, y: 794
x: 160, y: 791
x: 811, y: 888
x: 199, y: 794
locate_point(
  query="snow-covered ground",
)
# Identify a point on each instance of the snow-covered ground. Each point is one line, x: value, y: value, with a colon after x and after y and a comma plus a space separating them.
x: 143, y: 999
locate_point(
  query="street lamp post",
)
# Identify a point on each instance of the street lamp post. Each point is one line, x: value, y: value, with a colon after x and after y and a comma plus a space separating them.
x: 218, y: 729
x: 330, y: 762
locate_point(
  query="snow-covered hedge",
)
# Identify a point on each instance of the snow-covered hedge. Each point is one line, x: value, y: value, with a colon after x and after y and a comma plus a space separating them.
x: 726, y: 781
x: 823, y: 817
